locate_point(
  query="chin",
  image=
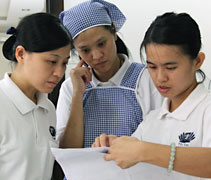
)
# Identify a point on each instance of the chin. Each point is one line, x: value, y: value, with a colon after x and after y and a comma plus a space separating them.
x: 164, y: 94
x: 46, y: 90
x: 50, y: 91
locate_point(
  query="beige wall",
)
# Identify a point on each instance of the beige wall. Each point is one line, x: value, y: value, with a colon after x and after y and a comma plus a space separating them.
x: 5, y: 65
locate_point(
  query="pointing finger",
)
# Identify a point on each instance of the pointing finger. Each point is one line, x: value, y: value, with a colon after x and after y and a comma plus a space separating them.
x: 80, y: 63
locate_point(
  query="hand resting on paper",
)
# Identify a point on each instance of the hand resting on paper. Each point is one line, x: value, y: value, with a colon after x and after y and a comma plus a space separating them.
x: 125, y: 150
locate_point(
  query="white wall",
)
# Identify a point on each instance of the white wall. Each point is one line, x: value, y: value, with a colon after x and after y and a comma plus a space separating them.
x: 5, y: 65
x: 140, y: 13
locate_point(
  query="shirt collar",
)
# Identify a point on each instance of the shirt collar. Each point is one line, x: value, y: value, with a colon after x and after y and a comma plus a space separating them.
x: 184, y: 110
x: 19, y: 99
x: 117, y: 78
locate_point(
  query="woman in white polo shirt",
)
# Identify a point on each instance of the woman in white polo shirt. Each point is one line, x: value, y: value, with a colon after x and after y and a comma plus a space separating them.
x: 40, y: 47
x: 176, y: 136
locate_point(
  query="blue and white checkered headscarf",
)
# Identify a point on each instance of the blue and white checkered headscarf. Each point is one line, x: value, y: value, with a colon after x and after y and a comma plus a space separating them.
x: 90, y: 14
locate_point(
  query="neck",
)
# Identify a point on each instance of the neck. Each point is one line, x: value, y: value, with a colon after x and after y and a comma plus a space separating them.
x: 104, y: 77
x: 19, y: 81
x: 179, y: 99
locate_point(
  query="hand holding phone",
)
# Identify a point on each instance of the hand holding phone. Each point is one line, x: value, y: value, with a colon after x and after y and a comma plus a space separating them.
x: 85, y: 64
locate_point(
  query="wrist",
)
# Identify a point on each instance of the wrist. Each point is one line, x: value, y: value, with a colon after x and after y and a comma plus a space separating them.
x: 157, y: 154
x: 172, y: 157
x: 77, y: 93
x: 144, y: 155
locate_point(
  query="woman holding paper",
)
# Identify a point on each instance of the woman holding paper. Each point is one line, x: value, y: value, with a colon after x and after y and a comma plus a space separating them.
x: 174, y: 141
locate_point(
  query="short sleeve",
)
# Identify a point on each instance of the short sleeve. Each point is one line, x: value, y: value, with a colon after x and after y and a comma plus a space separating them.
x: 63, y: 107
x: 207, y: 127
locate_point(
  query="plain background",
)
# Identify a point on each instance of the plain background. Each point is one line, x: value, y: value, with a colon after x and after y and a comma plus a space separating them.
x: 139, y: 14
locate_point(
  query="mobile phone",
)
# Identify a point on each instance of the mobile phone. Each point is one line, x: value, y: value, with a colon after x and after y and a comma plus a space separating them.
x: 85, y: 64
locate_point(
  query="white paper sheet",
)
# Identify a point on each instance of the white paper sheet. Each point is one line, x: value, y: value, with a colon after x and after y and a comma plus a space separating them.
x: 88, y: 164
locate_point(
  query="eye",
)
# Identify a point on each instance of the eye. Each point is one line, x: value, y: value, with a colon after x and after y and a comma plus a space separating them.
x: 85, y: 50
x: 101, y: 44
x: 65, y: 63
x: 52, y: 61
x: 171, y: 68
x: 151, y: 67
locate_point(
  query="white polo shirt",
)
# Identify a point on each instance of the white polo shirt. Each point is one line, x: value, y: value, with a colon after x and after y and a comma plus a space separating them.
x: 147, y: 95
x: 25, y: 134
x: 188, y: 126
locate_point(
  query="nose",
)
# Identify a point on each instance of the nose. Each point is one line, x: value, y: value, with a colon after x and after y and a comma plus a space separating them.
x: 161, y: 75
x: 59, y: 71
x: 96, y: 54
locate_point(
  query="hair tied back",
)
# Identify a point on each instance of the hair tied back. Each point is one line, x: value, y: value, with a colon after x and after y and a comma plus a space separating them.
x: 11, y: 30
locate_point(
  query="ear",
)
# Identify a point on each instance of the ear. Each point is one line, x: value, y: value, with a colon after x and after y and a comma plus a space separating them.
x: 20, y: 53
x: 115, y: 34
x: 199, y: 60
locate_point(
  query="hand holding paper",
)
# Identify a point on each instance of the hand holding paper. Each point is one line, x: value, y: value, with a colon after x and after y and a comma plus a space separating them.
x: 89, y: 164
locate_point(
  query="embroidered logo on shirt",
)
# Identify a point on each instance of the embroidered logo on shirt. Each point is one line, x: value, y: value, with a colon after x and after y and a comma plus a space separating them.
x: 186, y: 137
x: 52, y: 131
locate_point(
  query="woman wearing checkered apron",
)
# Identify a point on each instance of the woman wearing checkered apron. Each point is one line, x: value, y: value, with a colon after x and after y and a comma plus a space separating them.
x: 111, y: 94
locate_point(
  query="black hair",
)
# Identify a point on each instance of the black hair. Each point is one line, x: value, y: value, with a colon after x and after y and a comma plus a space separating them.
x: 39, y: 32
x: 120, y: 45
x: 175, y: 29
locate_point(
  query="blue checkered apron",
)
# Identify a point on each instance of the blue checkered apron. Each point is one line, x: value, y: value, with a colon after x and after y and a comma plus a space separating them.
x: 112, y: 110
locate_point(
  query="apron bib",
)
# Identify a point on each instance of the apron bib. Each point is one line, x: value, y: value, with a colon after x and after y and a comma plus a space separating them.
x: 112, y: 110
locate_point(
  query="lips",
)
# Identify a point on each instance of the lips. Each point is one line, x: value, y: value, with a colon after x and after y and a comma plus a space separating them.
x: 52, y: 84
x: 163, y: 89
x: 101, y: 63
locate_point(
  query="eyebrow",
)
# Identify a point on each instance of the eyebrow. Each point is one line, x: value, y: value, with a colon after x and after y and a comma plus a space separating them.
x: 68, y: 57
x: 85, y: 46
x: 82, y: 47
x: 101, y: 39
x: 165, y: 64
x: 57, y: 56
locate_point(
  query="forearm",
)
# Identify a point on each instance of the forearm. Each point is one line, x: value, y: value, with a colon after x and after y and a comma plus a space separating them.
x: 74, y: 131
x: 194, y: 161
x: 188, y: 160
